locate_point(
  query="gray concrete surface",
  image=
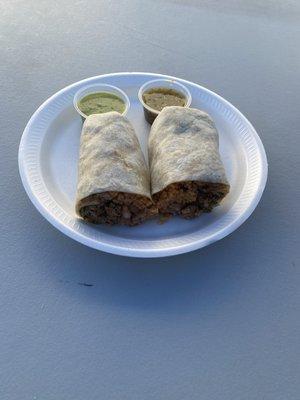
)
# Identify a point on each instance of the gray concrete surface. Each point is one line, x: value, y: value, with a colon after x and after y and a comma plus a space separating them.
x: 219, y: 323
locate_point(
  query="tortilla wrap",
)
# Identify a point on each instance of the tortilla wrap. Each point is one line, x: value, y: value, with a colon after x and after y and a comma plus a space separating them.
x: 187, y: 173
x: 113, y: 178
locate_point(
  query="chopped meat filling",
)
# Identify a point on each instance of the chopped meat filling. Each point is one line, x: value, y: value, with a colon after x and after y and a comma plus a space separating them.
x: 116, y: 208
x: 190, y: 198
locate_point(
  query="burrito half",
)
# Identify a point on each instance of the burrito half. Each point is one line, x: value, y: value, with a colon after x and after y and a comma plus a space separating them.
x: 187, y: 174
x: 113, y: 179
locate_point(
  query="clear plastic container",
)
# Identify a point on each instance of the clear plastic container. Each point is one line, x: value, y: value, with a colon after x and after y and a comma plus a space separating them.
x: 150, y: 113
x: 97, y: 88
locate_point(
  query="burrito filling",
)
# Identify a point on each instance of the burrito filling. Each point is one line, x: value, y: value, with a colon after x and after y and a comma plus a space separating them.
x: 116, y: 208
x: 190, y: 198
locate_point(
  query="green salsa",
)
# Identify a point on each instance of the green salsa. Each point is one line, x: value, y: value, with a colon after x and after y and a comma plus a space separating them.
x: 101, y: 102
x: 158, y: 98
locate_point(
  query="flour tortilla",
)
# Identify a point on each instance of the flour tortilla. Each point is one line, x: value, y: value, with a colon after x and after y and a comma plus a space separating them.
x: 111, y: 162
x: 184, y: 148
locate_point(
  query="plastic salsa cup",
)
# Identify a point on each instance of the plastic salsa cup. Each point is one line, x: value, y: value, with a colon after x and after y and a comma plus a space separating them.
x: 100, y: 88
x: 149, y: 112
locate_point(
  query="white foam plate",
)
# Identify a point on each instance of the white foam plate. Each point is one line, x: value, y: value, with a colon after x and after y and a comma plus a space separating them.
x: 48, y: 157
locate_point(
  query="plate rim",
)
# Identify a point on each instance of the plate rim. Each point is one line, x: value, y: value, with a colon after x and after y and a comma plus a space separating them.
x: 142, y: 252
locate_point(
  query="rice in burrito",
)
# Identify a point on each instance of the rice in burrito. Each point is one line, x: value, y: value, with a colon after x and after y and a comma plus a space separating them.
x: 187, y: 174
x: 113, y: 179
